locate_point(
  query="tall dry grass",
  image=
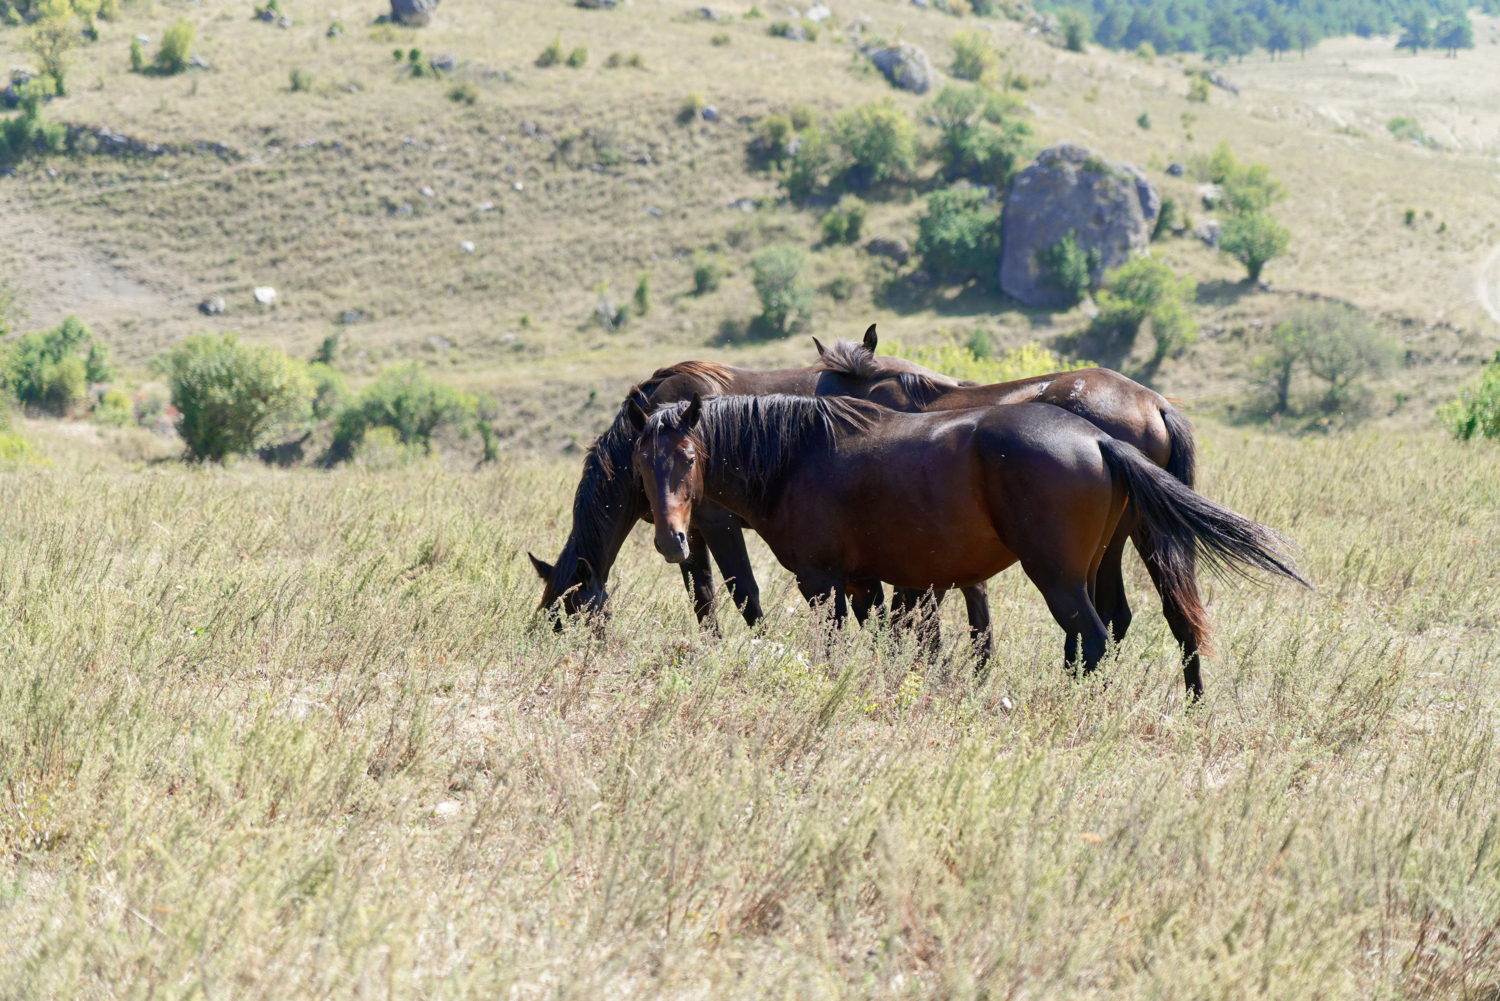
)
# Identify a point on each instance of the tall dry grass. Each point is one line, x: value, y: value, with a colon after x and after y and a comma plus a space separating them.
x: 270, y: 735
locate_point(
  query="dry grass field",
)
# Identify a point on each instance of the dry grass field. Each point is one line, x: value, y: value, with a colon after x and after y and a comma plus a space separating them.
x: 276, y: 734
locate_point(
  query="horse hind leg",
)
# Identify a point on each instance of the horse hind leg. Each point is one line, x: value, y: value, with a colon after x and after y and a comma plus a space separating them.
x: 1071, y: 608
x: 1110, y: 600
x: 1186, y: 621
x: 981, y: 637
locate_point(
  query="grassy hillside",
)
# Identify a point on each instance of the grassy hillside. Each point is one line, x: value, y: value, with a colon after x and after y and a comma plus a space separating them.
x: 310, y: 195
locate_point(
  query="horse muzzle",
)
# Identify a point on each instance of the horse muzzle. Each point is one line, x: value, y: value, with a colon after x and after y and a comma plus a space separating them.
x: 673, y: 546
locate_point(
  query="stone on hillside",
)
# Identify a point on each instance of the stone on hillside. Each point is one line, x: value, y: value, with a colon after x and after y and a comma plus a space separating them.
x: 795, y: 33
x: 265, y: 295
x: 212, y: 306
x: 896, y: 249
x: 417, y: 12
x: 467, y: 246
x: 710, y: 113
x: 1109, y: 208
x: 1208, y: 232
x: 818, y: 13
x: 447, y: 62
x: 904, y: 65
x: 1175, y: 169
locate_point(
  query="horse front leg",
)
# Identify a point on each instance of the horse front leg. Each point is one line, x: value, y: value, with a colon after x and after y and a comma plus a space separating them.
x: 725, y: 534
x: 866, y: 596
x: 981, y: 636
x: 698, y: 577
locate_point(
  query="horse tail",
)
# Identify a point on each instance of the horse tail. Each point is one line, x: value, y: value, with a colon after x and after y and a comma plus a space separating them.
x: 1183, y: 462
x: 1183, y: 526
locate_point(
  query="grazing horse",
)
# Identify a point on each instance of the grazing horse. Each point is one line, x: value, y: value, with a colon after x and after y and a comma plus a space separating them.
x: 847, y: 491
x: 608, y: 501
x: 1120, y: 407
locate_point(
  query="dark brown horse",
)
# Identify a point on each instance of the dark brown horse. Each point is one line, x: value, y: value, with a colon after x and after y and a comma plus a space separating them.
x: 608, y: 501
x: 846, y: 491
x: 1121, y: 408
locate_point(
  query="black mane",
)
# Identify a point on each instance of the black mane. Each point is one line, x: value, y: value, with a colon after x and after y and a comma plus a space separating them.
x: 756, y: 439
x: 853, y: 359
x: 857, y: 361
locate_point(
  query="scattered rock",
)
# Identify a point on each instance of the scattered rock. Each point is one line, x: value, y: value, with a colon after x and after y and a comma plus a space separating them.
x: 441, y: 343
x: 896, y: 249
x: 904, y: 65
x: 212, y: 306
x: 349, y: 316
x: 710, y: 113
x: 335, y: 31
x: 428, y: 193
x: 265, y: 14
x: 265, y: 295
x: 743, y: 204
x: 486, y: 206
x: 817, y: 13
x: 517, y: 185
x: 143, y: 39
x: 1109, y: 208
x: 416, y: 12
x: 653, y: 210
x: 446, y: 809
x: 795, y: 33
x: 467, y: 246
x: 595, y: 4
x: 285, y: 21
x: 920, y: 3
x: 709, y: 14
x: 403, y: 209
x: 447, y: 62
x: 1223, y: 82
x: 1175, y: 169
x: 1208, y: 232
x: 197, y: 62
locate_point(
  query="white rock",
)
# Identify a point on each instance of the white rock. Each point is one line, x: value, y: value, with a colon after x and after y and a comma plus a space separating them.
x: 818, y: 13
x: 428, y: 193
x: 265, y: 295
x: 467, y: 246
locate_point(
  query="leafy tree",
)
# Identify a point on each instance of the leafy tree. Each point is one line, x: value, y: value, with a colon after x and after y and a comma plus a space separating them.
x: 176, y: 47
x: 1142, y: 289
x: 879, y: 141
x: 1279, y: 34
x: 234, y: 398
x: 1075, y: 29
x: 1278, y: 363
x: 1416, y: 32
x: 53, y: 38
x: 29, y: 132
x: 974, y: 54
x: 845, y: 221
x: 1454, y: 33
x: 959, y: 236
x: 53, y: 369
x: 1476, y: 413
x: 1307, y: 36
x: 1254, y: 239
x: 1251, y: 189
x: 978, y: 141
x: 810, y: 167
x: 776, y: 273
x: 1340, y: 348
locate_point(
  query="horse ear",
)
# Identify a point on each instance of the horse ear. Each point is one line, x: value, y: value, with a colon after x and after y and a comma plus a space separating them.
x: 585, y: 572
x: 693, y: 412
x: 819, y: 345
x: 542, y: 568
x: 870, y: 339
x: 635, y: 413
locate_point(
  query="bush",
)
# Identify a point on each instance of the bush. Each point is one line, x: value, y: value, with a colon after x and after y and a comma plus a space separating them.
x: 961, y: 361
x: 1075, y: 29
x: 879, y: 140
x: 29, y: 132
x: 552, y: 54
x: 719, y: 40
x: 974, y: 54
x: 801, y: 117
x: 410, y: 403
x: 811, y: 166
x: 642, y: 296
x: 1198, y: 90
x: 578, y: 57
x: 959, y: 236
x: 1476, y: 413
x: 52, y: 39
x: 978, y: 141
x: 137, y: 56
x: 1341, y: 349
x: 176, y: 47
x: 1254, y: 239
x: 463, y: 92
x: 1166, y: 219
x: 328, y: 390
x: 1070, y: 267
x: 114, y: 410
x: 776, y: 134
x: 235, y: 398
x: 300, y: 80
x: 692, y: 107
x: 52, y: 370
x: 844, y: 222
x: 707, y: 273
x: 1142, y: 289
x: 776, y: 274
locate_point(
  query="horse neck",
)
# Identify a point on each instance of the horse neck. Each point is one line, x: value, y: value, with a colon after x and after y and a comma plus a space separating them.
x: 727, y: 486
x: 605, y: 509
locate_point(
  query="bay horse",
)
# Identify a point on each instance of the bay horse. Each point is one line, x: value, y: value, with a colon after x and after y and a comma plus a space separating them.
x: 1120, y: 407
x: 845, y: 491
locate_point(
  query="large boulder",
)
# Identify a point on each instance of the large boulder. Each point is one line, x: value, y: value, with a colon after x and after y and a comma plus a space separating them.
x: 1110, y: 208
x: 418, y: 12
x: 904, y: 65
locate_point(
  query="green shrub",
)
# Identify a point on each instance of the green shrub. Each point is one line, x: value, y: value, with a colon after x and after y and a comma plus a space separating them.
x: 1069, y: 267
x: 642, y: 296
x: 845, y: 221
x: 1075, y: 29
x: 1166, y: 219
x: 801, y: 116
x: 1476, y: 413
x: 1254, y: 239
x: 408, y: 402
x: 978, y: 141
x: 114, y: 410
x: 176, y: 47
x: 137, y: 56
x: 707, y: 273
x: 463, y: 92
x: 1340, y: 349
x: 979, y: 343
x: 552, y: 54
x: 974, y: 54
x: 776, y: 273
x: 841, y: 288
x: 300, y: 80
x: 776, y: 133
x: 879, y: 141
x: 52, y: 38
x: 959, y: 236
x: 692, y: 107
x: 15, y: 451
x: 329, y: 390
x: 235, y: 398
x: 1142, y: 289
x: 810, y: 168
x: 52, y: 370
x: 1144, y: 121
x: 962, y: 362
x: 720, y: 39
x: 29, y: 133
x: 1407, y: 130
x: 578, y: 57
x: 1198, y: 90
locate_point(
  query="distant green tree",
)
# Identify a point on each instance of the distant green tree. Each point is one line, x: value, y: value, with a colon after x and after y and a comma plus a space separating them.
x: 1416, y: 33
x: 879, y: 141
x: 52, y: 370
x: 1476, y: 412
x: 776, y: 273
x: 1254, y: 239
x: 1454, y: 33
x: 978, y: 141
x: 958, y: 238
x: 811, y: 166
x: 176, y: 47
x: 1142, y: 289
x: 235, y: 398
x: 1279, y: 34
x: 1075, y: 29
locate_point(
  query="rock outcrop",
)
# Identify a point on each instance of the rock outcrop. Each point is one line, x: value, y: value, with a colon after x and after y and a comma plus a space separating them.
x: 1109, y: 208
x: 418, y: 12
x: 904, y: 65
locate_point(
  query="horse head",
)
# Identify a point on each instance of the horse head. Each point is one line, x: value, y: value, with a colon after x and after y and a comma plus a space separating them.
x: 666, y: 459
x: 569, y: 591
